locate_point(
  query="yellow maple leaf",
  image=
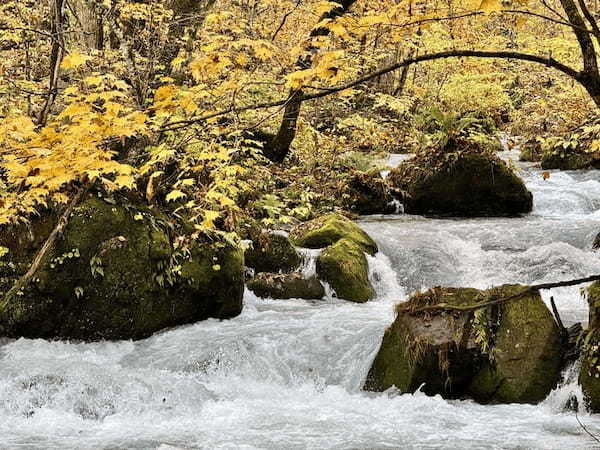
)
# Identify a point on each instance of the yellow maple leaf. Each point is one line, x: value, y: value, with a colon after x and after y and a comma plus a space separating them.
x: 74, y: 60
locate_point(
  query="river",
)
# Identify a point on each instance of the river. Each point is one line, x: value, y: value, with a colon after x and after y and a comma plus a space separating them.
x: 288, y: 374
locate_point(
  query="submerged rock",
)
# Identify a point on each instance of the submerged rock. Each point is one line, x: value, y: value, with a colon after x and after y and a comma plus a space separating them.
x: 596, y: 243
x: 285, y: 286
x: 328, y: 230
x: 272, y: 252
x: 368, y: 193
x: 589, y: 375
x: 114, y: 274
x: 507, y: 353
x: 344, y: 266
x: 460, y: 183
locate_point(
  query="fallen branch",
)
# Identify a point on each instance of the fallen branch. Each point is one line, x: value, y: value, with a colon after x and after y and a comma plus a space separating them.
x: 528, y: 290
x: 48, y: 245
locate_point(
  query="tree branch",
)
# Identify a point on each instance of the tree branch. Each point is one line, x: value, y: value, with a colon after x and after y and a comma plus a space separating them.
x: 325, y: 91
x: 498, y: 301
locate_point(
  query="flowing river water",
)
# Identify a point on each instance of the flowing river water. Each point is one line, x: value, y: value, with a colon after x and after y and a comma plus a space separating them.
x: 288, y: 374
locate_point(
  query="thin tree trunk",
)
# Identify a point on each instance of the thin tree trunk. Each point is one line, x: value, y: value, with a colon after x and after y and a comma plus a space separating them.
x: 279, y: 148
x: 56, y: 56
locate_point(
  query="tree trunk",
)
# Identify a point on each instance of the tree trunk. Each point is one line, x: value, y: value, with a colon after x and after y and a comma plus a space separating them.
x: 279, y: 148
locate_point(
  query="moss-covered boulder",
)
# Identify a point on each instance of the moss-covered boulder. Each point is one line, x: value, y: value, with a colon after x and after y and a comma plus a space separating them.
x: 589, y: 375
x: 328, y: 230
x: 272, y: 252
x: 345, y: 267
x: 507, y: 353
x: 367, y: 193
x: 114, y: 274
x: 285, y: 286
x: 531, y: 150
x: 570, y: 160
x: 465, y: 183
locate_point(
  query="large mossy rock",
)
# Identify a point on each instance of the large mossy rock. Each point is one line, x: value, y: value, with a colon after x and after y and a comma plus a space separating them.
x: 345, y: 267
x: 272, y: 252
x: 286, y: 286
x: 465, y: 183
x: 114, y: 274
x: 507, y: 353
x: 589, y: 375
x: 570, y: 160
x: 329, y: 229
x: 368, y: 193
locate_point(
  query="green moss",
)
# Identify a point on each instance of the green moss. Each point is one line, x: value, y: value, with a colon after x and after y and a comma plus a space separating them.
x: 328, y: 230
x: 442, y: 349
x: 121, y: 298
x: 344, y: 266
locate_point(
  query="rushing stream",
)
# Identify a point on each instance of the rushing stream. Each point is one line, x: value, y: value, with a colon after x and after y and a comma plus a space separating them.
x: 288, y: 374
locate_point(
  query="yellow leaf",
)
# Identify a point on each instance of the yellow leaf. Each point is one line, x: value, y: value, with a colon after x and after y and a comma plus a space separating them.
x: 489, y: 6
x: 174, y: 195
x: 74, y: 60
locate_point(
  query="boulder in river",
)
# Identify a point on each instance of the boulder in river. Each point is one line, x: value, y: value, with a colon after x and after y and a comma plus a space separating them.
x: 329, y: 229
x: 368, y: 193
x: 285, y: 286
x: 272, y: 252
x: 569, y: 159
x: 115, y: 274
x: 345, y: 267
x: 506, y: 353
x: 460, y: 182
x: 589, y: 375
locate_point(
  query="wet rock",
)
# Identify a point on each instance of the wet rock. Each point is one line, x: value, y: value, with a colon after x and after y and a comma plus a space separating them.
x: 570, y: 160
x: 114, y: 274
x: 589, y: 375
x: 508, y: 353
x: 531, y: 150
x: 368, y: 193
x: 272, y: 252
x: 344, y: 266
x: 466, y: 183
x: 285, y: 286
x: 328, y: 230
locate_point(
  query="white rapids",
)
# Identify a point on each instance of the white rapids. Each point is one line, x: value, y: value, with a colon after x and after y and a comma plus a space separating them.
x: 288, y: 374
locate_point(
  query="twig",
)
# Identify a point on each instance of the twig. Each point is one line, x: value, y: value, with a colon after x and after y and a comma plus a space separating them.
x: 498, y: 301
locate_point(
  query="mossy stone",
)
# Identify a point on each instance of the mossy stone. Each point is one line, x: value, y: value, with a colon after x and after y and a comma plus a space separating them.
x: 439, y: 348
x: 570, y: 160
x: 112, y: 276
x: 466, y: 184
x: 344, y: 266
x: 272, y: 252
x: 527, y: 353
x: 428, y: 350
x: 367, y: 193
x: 328, y: 230
x: 285, y: 286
